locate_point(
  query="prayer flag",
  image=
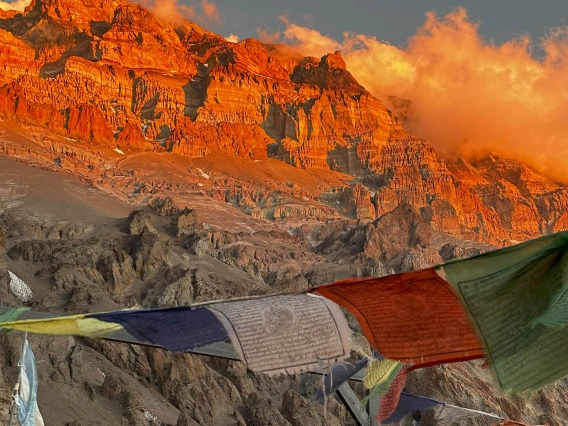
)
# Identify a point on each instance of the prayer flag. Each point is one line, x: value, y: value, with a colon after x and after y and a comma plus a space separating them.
x: 389, y: 401
x: 28, y: 411
x: 414, y: 318
x: 338, y: 375
x: 286, y: 333
x: 75, y: 325
x: 10, y: 315
x: 518, y: 299
x: 409, y: 403
x: 381, y: 374
x: 381, y: 371
x: 175, y: 329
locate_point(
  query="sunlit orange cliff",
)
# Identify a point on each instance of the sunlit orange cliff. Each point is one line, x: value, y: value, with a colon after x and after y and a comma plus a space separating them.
x: 96, y: 84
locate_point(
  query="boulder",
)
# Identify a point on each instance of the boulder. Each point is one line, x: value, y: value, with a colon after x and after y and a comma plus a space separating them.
x: 188, y: 223
x: 138, y: 220
x: 164, y: 206
x: 151, y: 254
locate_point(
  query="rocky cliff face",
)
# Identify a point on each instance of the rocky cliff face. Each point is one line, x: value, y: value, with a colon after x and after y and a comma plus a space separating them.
x: 110, y: 75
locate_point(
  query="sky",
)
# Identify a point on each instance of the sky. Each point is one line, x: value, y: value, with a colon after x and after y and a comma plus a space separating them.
x: 390, y: 20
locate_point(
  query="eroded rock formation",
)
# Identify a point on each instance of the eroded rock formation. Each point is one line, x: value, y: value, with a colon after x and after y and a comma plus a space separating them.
x: 109, y: 75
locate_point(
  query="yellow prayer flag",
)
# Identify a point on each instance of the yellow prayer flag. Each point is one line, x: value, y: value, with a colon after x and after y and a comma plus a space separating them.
x: 76, y: 325
x: 381, y: 370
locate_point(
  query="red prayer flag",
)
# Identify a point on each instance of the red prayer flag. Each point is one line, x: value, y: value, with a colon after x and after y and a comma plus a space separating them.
x: 414, y: 318
x: 389, y: 401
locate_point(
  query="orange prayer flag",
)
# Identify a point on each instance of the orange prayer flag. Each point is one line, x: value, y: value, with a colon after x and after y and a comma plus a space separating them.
x: 414, y: 318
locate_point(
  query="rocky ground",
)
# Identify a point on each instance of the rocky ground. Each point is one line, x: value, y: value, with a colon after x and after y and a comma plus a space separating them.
x: 96, y: 253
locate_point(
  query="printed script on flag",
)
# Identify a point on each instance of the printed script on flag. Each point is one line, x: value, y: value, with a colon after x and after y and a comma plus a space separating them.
x: 413, y: 318
x: 286, y: 333
x: 389, y: 401
x: 518, y: 298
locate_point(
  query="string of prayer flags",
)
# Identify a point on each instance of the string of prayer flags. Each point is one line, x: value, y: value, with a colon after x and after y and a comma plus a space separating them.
x: 409, y: 403
x: 286, y: 333
x: 511, y: 304
x: 518, y: 300
x: 175, y: 329
x: 271, y: 334
x: 338, y: 375
x: 26, y: 399
x: 414, y: 318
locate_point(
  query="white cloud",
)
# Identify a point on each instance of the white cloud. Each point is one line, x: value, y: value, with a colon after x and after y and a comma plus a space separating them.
x: 15, y: 5
x: 232, y: 38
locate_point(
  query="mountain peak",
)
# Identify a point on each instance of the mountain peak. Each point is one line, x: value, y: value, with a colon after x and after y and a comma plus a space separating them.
x: 333, y: 60
x: 329, y: 73
x: 68, y: 15
x: 72, y: 9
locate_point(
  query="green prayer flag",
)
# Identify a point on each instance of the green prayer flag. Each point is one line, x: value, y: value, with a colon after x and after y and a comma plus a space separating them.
x: 517, y: 298
x: 11, y: 315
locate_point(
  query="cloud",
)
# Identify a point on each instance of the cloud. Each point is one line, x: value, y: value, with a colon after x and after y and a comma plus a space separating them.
x: 309, y: 41
x: 205, y: 12
x: 168, y: 10
x: 187, y: 12
x: 14, y: 5
x: 232, y: 38
x: 210, y: 12
x: 464, y: 94
x: 267, y: 37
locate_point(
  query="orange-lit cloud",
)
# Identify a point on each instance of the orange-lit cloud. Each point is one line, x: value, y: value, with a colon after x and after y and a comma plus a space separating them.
x: 187, y: 12
x: 267, y: 37
x: 205, y: 12
x: 210, y: 12
x: 168, y: 10
x: 468, y: 96
x: 309, y: 41
x: 14, y: 5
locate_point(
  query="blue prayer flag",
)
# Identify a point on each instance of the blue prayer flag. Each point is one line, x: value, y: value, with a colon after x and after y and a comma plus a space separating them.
x: 409, y: 403
x: 175, y: 329
x: 28, y: 412
x: 338, y: 375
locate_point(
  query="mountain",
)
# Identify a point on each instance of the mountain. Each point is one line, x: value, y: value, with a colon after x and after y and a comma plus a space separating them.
x: 159, y: 164
x: 111, y: 75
